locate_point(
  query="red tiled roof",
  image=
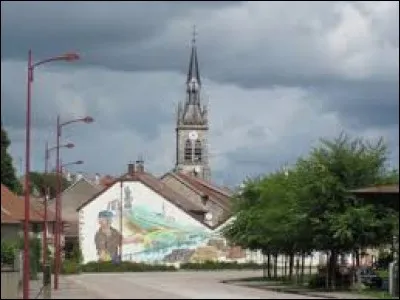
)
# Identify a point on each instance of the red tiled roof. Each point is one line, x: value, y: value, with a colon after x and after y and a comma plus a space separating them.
x: 6, y: 217
x: 379, y: 189
x: 13, y: 208
x: 214, y: 193
x: 159, y: 187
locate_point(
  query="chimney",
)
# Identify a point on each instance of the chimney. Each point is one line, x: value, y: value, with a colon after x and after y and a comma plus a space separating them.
x: 131, y: 169
x: 79, y: 176
x: 140, y: 165
x: 97, y: 178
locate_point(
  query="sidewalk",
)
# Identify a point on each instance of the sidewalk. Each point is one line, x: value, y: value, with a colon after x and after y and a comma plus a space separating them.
x: 298, y: 291
x: 68, y: 289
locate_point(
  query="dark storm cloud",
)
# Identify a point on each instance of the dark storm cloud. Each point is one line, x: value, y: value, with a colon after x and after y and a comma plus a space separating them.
x: 340, y: 55
x: 51, y: 27
x: 292, y: 50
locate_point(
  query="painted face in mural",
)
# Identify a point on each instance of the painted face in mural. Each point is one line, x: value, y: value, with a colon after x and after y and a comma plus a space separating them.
x: 107, y: 238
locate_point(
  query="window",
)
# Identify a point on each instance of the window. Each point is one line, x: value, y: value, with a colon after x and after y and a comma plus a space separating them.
x: 188, y: 150
x: 197, y: 151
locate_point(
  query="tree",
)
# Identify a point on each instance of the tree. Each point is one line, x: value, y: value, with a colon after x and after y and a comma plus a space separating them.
x: 8, y: 176
x: 310, y: 208
x: 339, y: 222
x: 41, y: 181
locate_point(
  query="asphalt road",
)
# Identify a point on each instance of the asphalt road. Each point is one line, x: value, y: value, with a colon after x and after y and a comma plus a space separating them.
x: 168, y: 285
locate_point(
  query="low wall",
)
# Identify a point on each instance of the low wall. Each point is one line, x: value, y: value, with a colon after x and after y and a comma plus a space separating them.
x: 10, y: 283
x: 11, y: 279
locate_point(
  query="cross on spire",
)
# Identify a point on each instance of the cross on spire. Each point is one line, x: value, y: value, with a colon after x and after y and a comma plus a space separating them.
x: 194, y: 35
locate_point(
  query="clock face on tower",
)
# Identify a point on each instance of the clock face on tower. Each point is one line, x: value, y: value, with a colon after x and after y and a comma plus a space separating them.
x: 193, y: 135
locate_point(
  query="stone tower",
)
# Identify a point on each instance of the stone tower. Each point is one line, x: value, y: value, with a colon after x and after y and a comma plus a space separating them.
x: 192, y: 125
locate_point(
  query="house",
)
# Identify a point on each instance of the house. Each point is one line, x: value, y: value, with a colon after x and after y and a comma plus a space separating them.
x: 71, y: 198
x: 156, y: 223
x: 214, y: 200
x: 13, y: 215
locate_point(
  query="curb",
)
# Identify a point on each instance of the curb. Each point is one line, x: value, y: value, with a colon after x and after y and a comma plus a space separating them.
x: 279, y: 290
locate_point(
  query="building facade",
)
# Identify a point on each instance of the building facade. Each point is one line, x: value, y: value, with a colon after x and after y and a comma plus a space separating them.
x: 139, y: 218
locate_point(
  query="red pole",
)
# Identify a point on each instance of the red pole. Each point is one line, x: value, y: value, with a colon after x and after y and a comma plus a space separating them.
x: 26, y: 270
x: 58, y: 194
x: 46, y: 154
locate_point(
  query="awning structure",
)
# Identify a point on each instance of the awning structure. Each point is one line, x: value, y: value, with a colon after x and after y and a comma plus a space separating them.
x: 387, y: 195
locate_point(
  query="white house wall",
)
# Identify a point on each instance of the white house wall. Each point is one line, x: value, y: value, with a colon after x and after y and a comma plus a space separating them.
x: 176, y: 230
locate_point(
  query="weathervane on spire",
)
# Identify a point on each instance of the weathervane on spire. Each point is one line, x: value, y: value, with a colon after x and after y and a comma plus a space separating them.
x: 194, y: 35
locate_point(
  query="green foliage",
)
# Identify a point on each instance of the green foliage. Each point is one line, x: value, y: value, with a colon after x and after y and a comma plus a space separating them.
x: 98, y: 267
x: 310, y: 206
x: 70, y: 267
x: 8, y: 252
x: 211, y: 265
x: 8, y: 176
x: 73, y: 252
x: 42, y: 181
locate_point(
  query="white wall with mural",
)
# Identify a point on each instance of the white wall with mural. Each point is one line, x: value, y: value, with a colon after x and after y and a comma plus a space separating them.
x: 153, y: 229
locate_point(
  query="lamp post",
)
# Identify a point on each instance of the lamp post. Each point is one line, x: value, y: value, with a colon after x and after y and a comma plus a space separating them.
x: 57, y: 262
x: 31, y: 66
x: 47, y: 196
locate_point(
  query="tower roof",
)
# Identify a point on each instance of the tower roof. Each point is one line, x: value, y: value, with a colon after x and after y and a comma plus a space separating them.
x: 193, y: 71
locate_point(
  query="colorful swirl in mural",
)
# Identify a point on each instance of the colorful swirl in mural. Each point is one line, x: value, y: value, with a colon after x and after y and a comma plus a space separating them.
x: 150, y: 236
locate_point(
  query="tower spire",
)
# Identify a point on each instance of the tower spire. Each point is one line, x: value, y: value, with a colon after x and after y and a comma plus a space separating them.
x: 194, y: 35
x: 194, y: 72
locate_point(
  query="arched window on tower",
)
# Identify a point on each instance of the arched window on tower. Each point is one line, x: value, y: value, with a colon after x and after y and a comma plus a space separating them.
x: 188, y: 150
x: 198, y: 151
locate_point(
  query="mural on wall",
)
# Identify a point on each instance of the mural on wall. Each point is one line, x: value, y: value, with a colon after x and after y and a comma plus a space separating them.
x: 154, y: 236
x: 107, y: 239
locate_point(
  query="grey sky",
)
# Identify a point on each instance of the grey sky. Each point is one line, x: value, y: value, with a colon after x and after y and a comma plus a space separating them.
x: 277, y: 75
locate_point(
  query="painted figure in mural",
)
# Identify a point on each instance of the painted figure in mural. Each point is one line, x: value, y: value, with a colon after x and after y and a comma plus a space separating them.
x: 107, y: 238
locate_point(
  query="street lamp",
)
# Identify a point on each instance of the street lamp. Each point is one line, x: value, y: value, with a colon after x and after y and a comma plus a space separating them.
x: 47, y: 196
x: 57, y: 263
x: 78, y: 162
x: 69, y: 57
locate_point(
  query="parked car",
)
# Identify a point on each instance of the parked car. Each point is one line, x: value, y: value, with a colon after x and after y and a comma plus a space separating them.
x: 370, y: 278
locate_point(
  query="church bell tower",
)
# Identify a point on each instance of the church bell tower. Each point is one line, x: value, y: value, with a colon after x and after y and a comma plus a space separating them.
x: 192, y: 125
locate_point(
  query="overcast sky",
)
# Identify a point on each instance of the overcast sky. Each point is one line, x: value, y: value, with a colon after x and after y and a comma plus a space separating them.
x: 277, y: 76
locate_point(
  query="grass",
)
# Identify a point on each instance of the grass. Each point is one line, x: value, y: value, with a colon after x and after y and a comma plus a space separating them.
x: 376, y: 294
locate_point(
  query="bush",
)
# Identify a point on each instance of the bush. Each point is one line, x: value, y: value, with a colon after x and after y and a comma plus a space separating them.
x: 73, y: 251
x: 8, y: 252
x: 70, y: 267
x: 212, y: 265
x: 98, y: 267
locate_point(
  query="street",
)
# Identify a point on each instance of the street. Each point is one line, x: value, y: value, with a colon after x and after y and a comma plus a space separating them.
x: 168, y: 285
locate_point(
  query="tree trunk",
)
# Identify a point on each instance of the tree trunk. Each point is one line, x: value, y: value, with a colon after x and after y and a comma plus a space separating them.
x: 357, y: 254
x: 264, y: 267
x: 285, y: 267
x: 276, y: 266
x: 297, y: 268
x: 332, y: 268
x: 269, y: 265
x: 303, y: 258
x: 327, y: 272
x: 291, y: 265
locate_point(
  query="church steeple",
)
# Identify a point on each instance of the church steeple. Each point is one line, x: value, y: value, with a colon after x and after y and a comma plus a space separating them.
x: 194, y: 72
x: 192, y: 112
x: 192, y: 124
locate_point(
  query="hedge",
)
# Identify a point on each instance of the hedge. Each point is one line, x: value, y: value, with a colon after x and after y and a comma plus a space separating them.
x: 98, y: 267
x: 211, y: 265
x: 73, y: 267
